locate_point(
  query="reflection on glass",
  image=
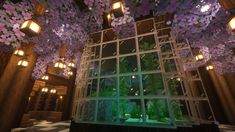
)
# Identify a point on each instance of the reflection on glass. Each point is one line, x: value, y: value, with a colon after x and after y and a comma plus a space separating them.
x: 129, y: 86
x: 149, y: 62
x: 153, y: 84
x: 127, y: 46
x: 170, y: 65
x: 130, y: 111
x: 180, y: 109
x: 88, y: 110
x: 91, y: 88
x: 157, y: 111
x: 108, y: 87
x: 108, y: 67
x: 147, y: 43
x: 107, y: 111
x: 128, y: 64
x: 94, y: 69
x: 109, y: 50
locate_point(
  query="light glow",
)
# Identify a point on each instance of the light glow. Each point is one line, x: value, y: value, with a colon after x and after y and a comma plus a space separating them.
x: 116, y: 5
x: 19, y: 52
x: 199, y: 57
x: 232, y: 23
x: 34, y: 27
x: 209, y: 67
x: 205, y: 8
x: 23, y: 63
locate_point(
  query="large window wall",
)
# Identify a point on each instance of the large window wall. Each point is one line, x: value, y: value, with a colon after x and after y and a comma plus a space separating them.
x: 138, y: 81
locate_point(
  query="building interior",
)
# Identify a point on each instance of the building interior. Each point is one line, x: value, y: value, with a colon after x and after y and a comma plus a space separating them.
x: 117, y: 65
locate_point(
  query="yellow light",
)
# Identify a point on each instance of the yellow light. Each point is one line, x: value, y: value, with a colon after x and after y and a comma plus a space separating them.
x: 209, y: 67
x: 24, y: 25
x: 45, y: 77
x: 199, y: 57
x: 44, y: 90
x: 70, y: 73
x: 109, y: 16
x: 116, y: 5
x: 52, y: 91
x: 133, y: 77
x: 61, y: 97
x: 56, y: 64
x: 232, y: 24
x: 19, y: 52
x: 178, y: 79
x: 34, y: 27
x: 71, y: 64
x: 60, y: 65
x: 23, y: 63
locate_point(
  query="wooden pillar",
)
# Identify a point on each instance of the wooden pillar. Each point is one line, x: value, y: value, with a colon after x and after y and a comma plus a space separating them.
x: 13, y: 84
x: 68, y: 100
x: 225, y: 96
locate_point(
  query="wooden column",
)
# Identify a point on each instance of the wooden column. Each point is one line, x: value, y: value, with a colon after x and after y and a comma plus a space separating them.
x: 13, y: 84
x: 68, y: 100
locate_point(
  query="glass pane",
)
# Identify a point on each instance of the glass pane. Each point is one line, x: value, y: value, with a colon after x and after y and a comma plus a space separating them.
x: 129, y: 86
x: 109, y: 35
x: 204, y: 110
x: 92, y: 88
x: 127, y: 46
x: 166, y: 48
x: 107, y: 111
x: 197, y: 89
x: 153, y: 84
x: 96, y: 52
x: 108, y: 67
x: 108, y: 87
x: 96, y: 37
x: 94, y: 69
x: 145, y: 26
x: 180, y: 109
x: 88, y: 110
x: 157, y: 111
x: 170, y: 65
x: 147, y: 43
x: 130, y: 111
x: 109, y: 50
x: 128, y: 64
x: 149, y: 62
x: 175, y: 86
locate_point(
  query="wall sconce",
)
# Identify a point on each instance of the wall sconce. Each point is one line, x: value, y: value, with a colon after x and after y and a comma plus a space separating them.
x: 44, y: 90
x: 231, y: 24
x: 19, y: 52
x: 30, y: 28
x: 23, y: 63
x: 118, y: 9
x: 199, y: 57
x: 71, y: 64
x: 60, y: 64
x: 45, y: 77
x: 52, y: 91
x: 70, y: 73
x: 209, y: 67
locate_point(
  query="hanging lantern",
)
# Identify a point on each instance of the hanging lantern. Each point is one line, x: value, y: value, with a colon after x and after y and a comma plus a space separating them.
x: 70, y: 73
x: 44, y: 90
x: 231, y: 24
x: 19, y: 52
x: 23, y: 63
x: 209, y: 67
x: 118, y: 9
x: 53, y: 91
x: 71, y: 64
x: 40, y: 8
x: 60, y: 64
x: 199, y: 57
x: 45, y: 77
x: 227, y: 4
x: 30, y: 27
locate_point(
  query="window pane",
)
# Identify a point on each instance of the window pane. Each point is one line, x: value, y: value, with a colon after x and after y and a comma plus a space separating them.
x: 107, y: 111
x: 129, y: 86
x: 128, y: 64
x: 127, y: 46
x: 108, y: 67
x: 149, y: 62
x: 153, y: 84
x: 108, y: 87
x: 109, y: 50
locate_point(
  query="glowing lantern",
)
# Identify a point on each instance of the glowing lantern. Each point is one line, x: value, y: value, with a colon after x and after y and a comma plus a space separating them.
x: 19, y: 52
x: 199, y: 57
x: 60, y: 64
x: 70, y: 73
x: 45, y: 77
x: 118, y: 9
x: 209, y: 67
x: 53, y: 91
x: 23, y: 63
x: 232, y: 24
x: 71, y: 64
x: 44, y: 90
x: 30, y: 27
